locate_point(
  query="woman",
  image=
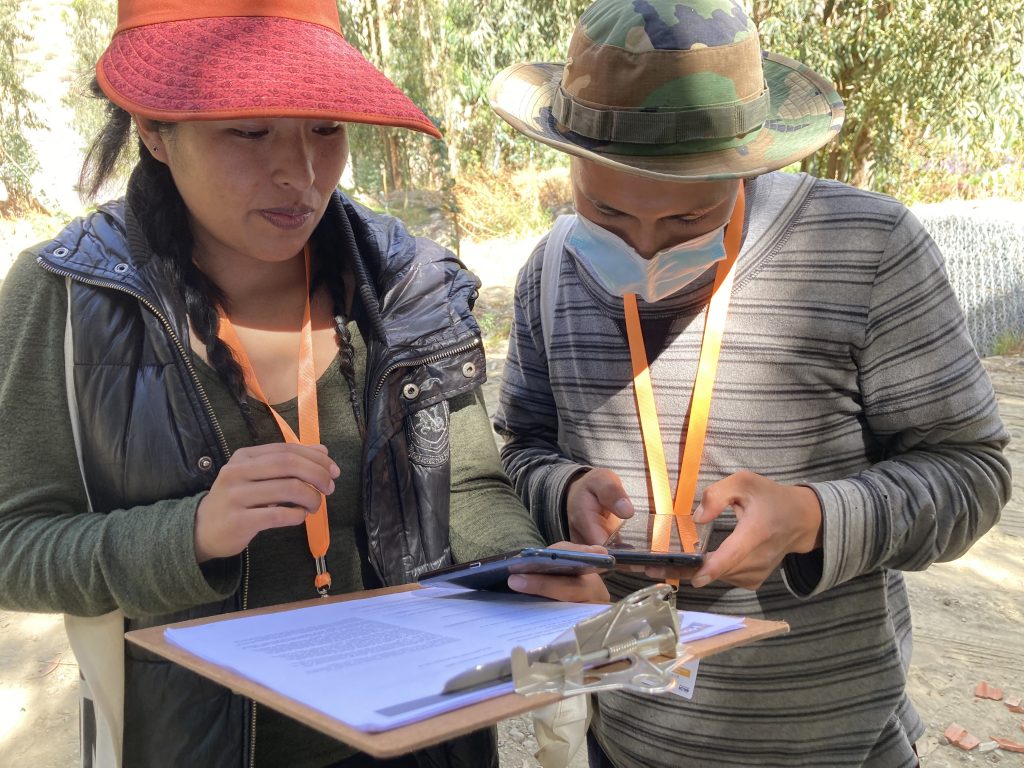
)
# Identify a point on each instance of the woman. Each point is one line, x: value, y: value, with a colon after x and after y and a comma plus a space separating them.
x: 145, y: 477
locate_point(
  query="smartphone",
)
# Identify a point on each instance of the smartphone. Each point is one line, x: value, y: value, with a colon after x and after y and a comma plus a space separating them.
x: 665, y: 559
x: 492, y: 573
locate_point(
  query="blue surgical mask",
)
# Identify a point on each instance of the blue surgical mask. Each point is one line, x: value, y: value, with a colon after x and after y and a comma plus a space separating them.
x: 620, y: 269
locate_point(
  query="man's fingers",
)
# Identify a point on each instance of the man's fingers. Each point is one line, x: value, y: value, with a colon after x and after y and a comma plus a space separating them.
x: 661, y: 572
x: 607, y: 488
x: 614, y: 499
x: 595, y: 528
x: 728, y: 557
x: 716, y: 498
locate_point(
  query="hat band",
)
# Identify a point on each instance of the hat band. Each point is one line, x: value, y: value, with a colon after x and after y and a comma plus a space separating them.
x: 641, y: 126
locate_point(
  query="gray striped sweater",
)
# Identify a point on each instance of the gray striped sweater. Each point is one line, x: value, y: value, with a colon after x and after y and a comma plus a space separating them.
x: 845, y: 366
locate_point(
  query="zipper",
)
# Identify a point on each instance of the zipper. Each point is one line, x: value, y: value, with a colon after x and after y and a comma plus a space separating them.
x: 434, y: 358
x: 207, y: 407
x: 252, y: 702
x: 221, y: 440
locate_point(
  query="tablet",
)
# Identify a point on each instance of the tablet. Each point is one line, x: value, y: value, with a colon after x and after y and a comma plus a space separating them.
x: 492, y: 572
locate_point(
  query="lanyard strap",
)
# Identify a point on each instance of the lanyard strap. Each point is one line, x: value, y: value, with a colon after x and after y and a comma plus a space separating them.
x: 700, y: 403
x: 318, y: 533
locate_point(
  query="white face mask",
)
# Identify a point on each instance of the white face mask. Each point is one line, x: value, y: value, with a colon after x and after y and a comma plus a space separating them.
x: 620, y: 269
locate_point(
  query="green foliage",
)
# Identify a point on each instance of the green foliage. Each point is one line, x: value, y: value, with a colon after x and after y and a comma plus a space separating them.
x: 495, y: 325
x: 516, y: 204
x: 90, y: 23
x: 934, y: 92
x: 934, y: 89
x: 443, y: 54
x: 484, y: 37
x: 17, y: 159
x: 1010, y: 343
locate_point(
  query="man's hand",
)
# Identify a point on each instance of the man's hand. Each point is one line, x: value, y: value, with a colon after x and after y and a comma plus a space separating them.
x: 596, y: 504
x: 772, y: 520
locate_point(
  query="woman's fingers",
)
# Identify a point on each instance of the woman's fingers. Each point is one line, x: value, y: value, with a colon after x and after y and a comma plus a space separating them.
x: 261, y: 487
x: 284, y: 460
x: 275, y: 517
x: 589, y: 588
x: 290, y: 492
x: 581, y: 588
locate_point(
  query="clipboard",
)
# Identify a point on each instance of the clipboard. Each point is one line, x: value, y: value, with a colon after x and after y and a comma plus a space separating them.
x: 406, y: 738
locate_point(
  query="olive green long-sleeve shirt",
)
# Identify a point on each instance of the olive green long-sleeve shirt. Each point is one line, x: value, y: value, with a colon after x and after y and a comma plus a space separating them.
x: 58, y: 556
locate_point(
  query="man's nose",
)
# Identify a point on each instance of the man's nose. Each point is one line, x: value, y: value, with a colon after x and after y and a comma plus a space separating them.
x: 647, y: 239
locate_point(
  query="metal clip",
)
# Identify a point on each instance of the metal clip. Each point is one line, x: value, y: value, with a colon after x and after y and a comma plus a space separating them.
x: 634, y: 631
x: 323, y: 577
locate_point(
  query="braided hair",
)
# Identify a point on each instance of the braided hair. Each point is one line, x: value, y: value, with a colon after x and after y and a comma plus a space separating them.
x: 161, y: 213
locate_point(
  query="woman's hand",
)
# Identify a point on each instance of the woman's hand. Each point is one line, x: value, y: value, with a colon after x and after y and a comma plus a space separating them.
x: 265, y: 486
x: 772, y: 520
x: 586, y: 588
x: 596, y: 504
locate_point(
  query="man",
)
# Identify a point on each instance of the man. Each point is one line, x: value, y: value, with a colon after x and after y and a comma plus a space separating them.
x: 852, y: 433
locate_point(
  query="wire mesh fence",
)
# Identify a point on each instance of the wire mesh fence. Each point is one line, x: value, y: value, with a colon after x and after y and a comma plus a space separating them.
x: 983, y: 247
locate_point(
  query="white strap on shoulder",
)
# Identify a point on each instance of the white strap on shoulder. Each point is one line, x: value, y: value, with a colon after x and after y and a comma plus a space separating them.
x: 96, y: 641
x: 549, y: 272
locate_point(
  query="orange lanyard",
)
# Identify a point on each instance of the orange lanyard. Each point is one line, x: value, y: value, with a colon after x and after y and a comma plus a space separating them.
x: 318, y: 533
x: 700, y: 403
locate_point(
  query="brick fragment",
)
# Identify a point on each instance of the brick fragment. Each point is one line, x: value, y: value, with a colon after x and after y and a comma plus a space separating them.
x: 1013, y: 704
x: 1007, y: 745
x: 958, y: 736
x: 985, y: 691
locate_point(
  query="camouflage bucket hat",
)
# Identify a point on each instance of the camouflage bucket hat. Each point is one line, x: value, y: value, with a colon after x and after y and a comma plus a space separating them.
x: 678, y: 91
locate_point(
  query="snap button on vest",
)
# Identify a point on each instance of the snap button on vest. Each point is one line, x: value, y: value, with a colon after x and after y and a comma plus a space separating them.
x: 468, y: 369
x: 60, y: 253
x: 410, y: 391
x: 121, y: 268
x: 205, y: 462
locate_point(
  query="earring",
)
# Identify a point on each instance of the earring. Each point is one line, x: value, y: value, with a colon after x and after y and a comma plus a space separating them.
x: 155, y: 148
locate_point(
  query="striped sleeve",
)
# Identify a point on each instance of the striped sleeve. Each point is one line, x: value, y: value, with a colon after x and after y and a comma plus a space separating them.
x: 930, y: 404
x: 527, y: 417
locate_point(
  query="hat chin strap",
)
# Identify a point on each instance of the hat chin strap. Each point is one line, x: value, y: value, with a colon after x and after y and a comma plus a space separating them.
x: 728, y: 120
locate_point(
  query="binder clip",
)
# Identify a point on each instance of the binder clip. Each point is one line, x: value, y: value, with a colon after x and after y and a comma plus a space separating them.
x: 633, y: 645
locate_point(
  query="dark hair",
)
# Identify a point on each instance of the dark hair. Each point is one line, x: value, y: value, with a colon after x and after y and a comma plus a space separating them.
x: 161, y: 213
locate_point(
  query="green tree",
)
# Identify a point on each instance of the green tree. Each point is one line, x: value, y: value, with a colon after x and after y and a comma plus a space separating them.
x: 90, y: 22
x: 485, y: 36
x: 17, y: 160
x: 931, y: 86
x: 443, y: 54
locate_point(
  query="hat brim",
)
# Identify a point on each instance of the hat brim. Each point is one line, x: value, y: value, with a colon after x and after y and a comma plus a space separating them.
x: 805, y: 112
x: 246, y: 66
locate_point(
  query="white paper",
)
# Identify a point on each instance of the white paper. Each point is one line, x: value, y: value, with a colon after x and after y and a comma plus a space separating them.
x: 697, y: 626
x: 382, y: 662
